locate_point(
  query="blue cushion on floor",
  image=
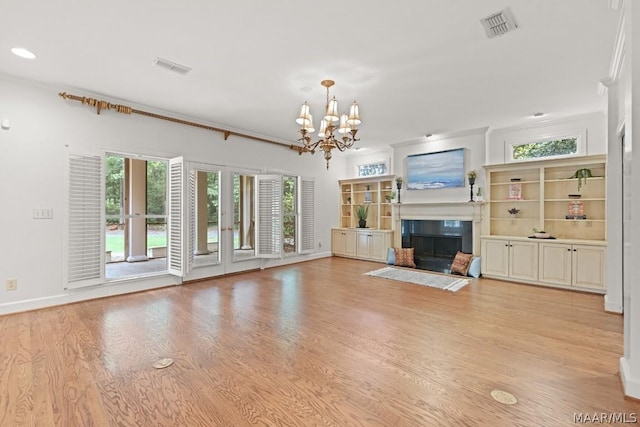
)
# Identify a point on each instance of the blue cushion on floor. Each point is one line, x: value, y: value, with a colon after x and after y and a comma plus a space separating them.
x: 391, y: 256
x: 474, y: 267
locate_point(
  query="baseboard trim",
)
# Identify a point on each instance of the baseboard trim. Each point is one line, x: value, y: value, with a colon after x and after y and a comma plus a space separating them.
x: 94, y: 292
x: 278, y: 262
x: 631, y: 385
x: 612, y: 307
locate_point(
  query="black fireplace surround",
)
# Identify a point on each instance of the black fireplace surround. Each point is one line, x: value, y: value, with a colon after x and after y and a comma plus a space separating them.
x: 436, y: 242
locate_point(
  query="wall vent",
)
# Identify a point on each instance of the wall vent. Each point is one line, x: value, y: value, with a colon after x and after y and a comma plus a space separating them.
x: 499, y: 23
x: 171, y: 66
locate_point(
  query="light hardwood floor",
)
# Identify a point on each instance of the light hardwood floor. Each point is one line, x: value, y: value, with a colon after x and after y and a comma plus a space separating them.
x: 315, y: 343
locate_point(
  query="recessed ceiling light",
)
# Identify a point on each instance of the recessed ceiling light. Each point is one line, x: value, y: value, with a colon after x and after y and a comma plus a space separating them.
x: 429, y: 135
x: 23, y: 53
x: 538, y: 115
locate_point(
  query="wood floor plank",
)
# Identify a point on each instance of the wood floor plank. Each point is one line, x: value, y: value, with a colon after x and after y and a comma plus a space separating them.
x: 314, y: 344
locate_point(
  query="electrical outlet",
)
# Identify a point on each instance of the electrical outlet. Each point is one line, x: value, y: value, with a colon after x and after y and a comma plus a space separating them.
x: 12, y: 284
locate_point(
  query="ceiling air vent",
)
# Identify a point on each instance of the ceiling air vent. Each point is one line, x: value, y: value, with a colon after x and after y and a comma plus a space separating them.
x: 171, y: 66
x: 499, y: 23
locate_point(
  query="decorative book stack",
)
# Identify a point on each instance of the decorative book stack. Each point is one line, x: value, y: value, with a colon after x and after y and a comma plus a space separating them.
x: 576, y: 210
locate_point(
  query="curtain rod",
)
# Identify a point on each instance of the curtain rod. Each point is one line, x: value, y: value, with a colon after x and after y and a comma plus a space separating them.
x: 124, y: 109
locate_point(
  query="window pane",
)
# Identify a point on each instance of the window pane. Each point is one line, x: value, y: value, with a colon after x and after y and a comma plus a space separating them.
x: 243, y: 216
x: 114, y: 186
x: 555, y: 147
x: 156, y: 188
x: 372, y: 169
x: 289, y: 202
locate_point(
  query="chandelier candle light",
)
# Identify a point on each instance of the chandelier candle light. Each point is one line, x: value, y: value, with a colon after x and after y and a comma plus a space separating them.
x: 344, y: 124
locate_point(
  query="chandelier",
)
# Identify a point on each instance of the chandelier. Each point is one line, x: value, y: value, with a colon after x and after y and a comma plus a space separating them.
x: 344, y: 124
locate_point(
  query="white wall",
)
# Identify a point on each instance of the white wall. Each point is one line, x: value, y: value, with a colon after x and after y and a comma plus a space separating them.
x: 473, y: 141
x: 593, y: 127
x: 45, y: 128
x: 366, y: 157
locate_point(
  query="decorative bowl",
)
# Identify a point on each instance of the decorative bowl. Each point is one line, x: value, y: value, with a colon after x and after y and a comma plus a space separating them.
x: 541, y: 235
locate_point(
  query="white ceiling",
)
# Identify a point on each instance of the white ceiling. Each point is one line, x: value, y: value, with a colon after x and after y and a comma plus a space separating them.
x: 415, y: 67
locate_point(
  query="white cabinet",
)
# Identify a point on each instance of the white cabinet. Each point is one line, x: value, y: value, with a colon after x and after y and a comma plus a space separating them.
x: 343, y: 242
x: 580, y: 266
x: 372, y: 245
x: 510, y: 259
x: 361, y: 243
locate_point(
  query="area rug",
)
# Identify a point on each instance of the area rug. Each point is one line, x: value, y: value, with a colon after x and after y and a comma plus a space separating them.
x: 440, y: 281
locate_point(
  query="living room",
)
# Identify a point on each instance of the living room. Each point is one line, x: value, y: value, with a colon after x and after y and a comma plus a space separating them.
x: 41, y: 131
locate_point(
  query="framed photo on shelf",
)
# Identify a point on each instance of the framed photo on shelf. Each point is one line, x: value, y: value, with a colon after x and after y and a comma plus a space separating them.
x: 515, y: 191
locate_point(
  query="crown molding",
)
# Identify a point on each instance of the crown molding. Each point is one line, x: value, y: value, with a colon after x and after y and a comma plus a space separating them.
x: 442, y: 136
x: 617, y: 59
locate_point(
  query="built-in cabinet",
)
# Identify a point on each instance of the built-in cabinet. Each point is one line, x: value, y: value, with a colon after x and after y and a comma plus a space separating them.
x: 343, y: 242
x: 510, y: 259
x: 374, y: 193
x: 578, y: 266
x: 547, y: 196
x: 361, y: 243
x: 370, y: 243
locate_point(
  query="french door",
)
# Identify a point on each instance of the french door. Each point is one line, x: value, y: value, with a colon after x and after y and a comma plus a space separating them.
x: 221, y: 220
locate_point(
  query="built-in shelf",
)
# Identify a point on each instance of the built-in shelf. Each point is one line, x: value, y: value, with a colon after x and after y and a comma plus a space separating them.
x: 593, y: 199
x: 514, y: 182
x: 544, y: 188
x: 594, y: 178
x: 368, y: 192
x: 515, y: 200
x: 575, y: 220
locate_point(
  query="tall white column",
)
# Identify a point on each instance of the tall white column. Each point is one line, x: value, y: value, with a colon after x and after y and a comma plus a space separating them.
x: 137, y: 227
x: 630, y: 362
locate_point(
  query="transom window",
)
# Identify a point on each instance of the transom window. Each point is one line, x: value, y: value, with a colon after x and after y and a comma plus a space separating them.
x: 544, y: 149
x: 373, y: 169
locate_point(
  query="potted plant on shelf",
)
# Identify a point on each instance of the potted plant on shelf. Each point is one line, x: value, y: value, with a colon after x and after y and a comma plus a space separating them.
x: 582, y: 174
x: 390, y: 196
x: 362, y: 212
x: 399, y: 186
x: 471, y: 176
x: 513, y: 212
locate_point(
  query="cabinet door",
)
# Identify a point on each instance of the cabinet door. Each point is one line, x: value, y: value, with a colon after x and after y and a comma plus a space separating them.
x: 495, y: 254
x: 363, y: 244
x: 350, y: 243
x: 523, y: 260
x: 338, y: 241
x: 378, y: 246
x: 555, y: 264
x: 343, y: 242
x: 588, y: 266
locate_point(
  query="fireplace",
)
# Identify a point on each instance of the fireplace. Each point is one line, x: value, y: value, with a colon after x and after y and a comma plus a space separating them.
x: 436, y: 242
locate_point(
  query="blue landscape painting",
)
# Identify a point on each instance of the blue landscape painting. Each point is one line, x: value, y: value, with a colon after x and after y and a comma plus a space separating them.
x: 443, y: 169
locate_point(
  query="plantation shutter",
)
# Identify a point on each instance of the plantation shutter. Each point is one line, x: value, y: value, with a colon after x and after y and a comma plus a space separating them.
x: 269, y: 218
x: 191, y: 218
x: 85, y: 222
x: 306, y: 217
x: 176, y: 217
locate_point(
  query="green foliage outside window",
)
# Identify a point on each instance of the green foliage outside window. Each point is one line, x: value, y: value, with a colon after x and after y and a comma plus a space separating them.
x: 156, y: 190
x: 114, y: 181
x: 555, y: 147
x: 289, y: 213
